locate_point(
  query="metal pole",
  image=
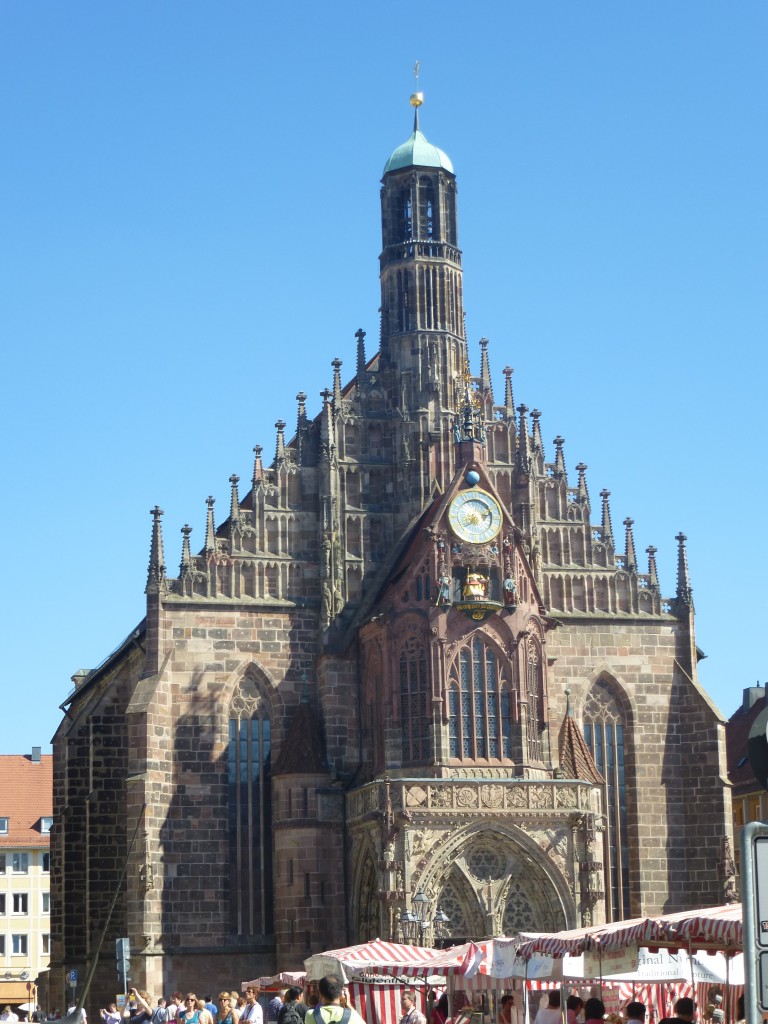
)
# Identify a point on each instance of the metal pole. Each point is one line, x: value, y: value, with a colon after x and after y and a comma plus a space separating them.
x: 751, y: 980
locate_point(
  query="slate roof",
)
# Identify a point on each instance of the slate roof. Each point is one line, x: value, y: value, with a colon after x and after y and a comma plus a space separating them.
x: 26, y: 796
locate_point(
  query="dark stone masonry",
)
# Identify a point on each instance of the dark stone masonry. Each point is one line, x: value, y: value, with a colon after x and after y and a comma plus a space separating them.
x: 414, y: 657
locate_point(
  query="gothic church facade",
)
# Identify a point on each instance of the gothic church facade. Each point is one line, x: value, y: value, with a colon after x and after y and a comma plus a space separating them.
x: 412, y: 661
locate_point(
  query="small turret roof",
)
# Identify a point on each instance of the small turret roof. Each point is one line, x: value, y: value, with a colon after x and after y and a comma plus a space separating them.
x: 417, y: 151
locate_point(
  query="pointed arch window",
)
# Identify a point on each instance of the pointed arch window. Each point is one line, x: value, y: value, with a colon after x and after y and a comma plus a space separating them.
x: 535, y: 695
x: 604, y: 732
x: 250, y: 812
x: 414, y: 702
x: 428, y: 212
x: 479, y: 705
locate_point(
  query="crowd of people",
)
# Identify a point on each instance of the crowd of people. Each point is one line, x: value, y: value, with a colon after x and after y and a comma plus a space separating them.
x: 326, y: 1003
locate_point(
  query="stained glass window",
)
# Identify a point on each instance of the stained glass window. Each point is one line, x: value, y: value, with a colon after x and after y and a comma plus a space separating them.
x: 250, y: 814
x: 604, y: 733
x: 479, y: 705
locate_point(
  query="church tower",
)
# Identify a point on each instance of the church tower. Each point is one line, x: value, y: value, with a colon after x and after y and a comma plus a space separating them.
x: 423, y: 347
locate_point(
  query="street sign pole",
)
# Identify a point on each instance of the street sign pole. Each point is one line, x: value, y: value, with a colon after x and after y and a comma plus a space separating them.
x: 754, y: 875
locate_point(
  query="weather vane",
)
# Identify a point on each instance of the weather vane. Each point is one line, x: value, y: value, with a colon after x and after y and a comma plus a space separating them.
x: 417, y: 97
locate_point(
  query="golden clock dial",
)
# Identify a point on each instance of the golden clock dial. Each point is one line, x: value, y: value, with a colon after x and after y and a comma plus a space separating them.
x: 475, y: 516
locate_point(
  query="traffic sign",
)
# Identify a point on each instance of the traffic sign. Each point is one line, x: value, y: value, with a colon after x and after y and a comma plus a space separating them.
x: 72, y: 977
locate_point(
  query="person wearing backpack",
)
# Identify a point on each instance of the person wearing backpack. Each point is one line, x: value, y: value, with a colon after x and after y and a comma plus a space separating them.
x: 160, y: 1013
x: 293, y: 1010
x: 329, y: 1010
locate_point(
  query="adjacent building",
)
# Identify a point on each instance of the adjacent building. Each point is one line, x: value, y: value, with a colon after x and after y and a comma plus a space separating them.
x: 26, y: 817
x: 414, y: 681
x: 749, y: 799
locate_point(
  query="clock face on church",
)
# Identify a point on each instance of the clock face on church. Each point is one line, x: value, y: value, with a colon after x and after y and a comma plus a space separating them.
x: 474, y: 516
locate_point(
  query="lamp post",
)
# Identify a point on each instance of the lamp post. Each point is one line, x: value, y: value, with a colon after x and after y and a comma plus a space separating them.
x: 416, y: 925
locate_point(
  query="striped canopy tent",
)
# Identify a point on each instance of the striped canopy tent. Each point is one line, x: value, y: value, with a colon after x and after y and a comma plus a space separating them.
x: 464, y: 960
x: 712, y: 928
x: 617, y: 935
x: 369, y: 958
x: 295, y: 978
x: 718, y: 928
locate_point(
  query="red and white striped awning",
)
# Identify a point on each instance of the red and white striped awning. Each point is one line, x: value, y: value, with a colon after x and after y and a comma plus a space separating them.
x: 375, y: 957
x: 295, y: 978
x: 719, y: 927
x: 464, y: 960
x: 715, y: 927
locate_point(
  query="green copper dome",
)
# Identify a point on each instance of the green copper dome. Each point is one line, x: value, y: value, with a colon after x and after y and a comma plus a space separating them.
x: 417, y: 152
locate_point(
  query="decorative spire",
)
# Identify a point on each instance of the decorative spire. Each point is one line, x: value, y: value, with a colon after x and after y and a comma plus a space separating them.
x: 301, y: 426
x: 210, y: 529
x: 485, y: 369
x: 652, y: 570
x: 630, y: 558
x: 280, y: 445
x: 361, y: 361
x: 538, y: 444
x: 417, y: 98
x: 336, y: 364
x: 683, y: 597
x: 326, y: 422
x: 156, y: 575
x: 523, y: 456
x: 509, y: 398
x: 606, y: 529
x: 582, y: 492
x: 468, y: 423
x: 234, y: 504
x: 559, y: 457
x: 258, y: 468
x: 186, y: 552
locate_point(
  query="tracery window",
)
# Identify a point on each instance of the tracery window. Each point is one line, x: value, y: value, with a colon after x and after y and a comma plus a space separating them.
x: 250, y: 812
x: 414, y: 702
x: 479, y: 704
x: 535, y: 695
x: 604, y: 731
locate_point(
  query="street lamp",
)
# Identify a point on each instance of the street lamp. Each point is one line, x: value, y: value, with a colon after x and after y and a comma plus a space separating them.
x: 415, y: 923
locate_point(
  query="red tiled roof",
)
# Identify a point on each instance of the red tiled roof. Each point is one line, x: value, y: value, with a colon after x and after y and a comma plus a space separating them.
x: 302, y: 750
x: 737, y: 729
x: 576, y: 758
x: 26, y: 796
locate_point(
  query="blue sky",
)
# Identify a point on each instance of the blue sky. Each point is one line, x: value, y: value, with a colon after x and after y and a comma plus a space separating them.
x: 190, y: 219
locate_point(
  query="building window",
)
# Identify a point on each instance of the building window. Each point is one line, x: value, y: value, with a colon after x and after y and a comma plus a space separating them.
x: 604, y: 733
x: 20, y: 903
x: 479, y: 705
x: 20, y: 863
x: 738, y: 815
x: 250, y: 813
x: 2, y: 903
x: 19, y: 945
x: 46, y: 824
x: 754, y: 808
x: 535, y: 694
x: 45, y: 942
x: 3, y: 826
x: 2, y: 945
x: 46, y: 903
x: 2, y: 863
x: 414, y: 707
x: 46, y: 862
